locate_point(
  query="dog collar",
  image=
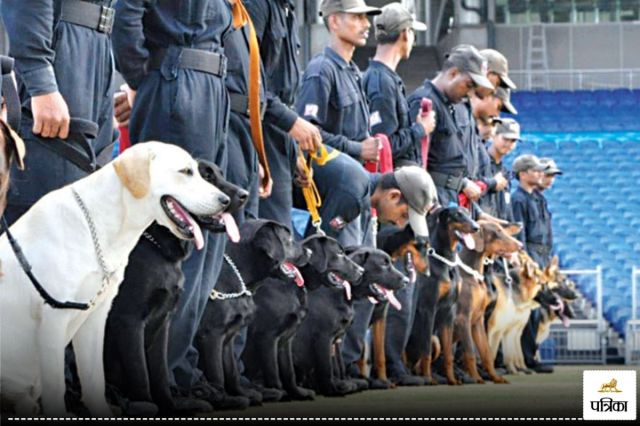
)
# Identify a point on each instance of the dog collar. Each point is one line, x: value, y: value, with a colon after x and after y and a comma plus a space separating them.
x: 243, y: 288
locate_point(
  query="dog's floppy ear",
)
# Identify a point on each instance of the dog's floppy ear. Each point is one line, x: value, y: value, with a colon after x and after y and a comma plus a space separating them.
x: 269, y: 240
x: 478, y: 237
x: 14, y: 143
x: 512, y: 228
x: 133, y: 169
x: 359, y: 256
x: 318, y: 245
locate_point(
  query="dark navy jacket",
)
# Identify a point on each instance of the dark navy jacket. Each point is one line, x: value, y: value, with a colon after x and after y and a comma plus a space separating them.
x: 446, y: 149
x: 498, y: 203
x: 545, y: 220
x: 390, y: 110
x: 332, y: 96
x: 526, y: 209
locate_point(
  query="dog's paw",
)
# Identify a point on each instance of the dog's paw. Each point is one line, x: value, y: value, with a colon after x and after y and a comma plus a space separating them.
x: 271, y: 394
x: 500, y: 380
x: 255, y: 397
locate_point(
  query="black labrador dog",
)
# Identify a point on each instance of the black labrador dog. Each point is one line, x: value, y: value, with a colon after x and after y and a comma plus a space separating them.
x: 266, y: 249
x: 437, y: 297
x: 136, y: 336
x: 282, y: 307
x: 330, y: 312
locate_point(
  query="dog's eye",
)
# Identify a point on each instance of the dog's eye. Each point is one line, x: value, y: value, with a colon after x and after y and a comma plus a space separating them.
x: 187, y: 171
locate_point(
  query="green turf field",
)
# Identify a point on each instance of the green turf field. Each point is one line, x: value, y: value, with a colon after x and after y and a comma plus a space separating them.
x: 539, y: 395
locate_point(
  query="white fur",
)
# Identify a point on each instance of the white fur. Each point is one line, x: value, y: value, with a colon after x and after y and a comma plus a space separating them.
x: 56, y: 240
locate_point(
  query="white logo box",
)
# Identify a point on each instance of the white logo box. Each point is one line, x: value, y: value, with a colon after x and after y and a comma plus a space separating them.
x: 609, y: 395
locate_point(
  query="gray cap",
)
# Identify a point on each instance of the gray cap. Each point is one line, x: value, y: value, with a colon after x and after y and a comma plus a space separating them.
x: 551, y: 166
x: 467, y: 59
x: 394, y: 19
x: 496, y: 62
x: 505, y: 96
x: 418, y: 189
x: 329, y: 7
x: 508, y: 128
x: 527, y: 162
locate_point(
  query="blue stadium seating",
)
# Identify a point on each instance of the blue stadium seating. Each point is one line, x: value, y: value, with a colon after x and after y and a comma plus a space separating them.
x: 594, y: 136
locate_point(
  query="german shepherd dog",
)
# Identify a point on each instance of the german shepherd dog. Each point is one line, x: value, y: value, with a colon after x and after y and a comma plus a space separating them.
x: 469, y: 328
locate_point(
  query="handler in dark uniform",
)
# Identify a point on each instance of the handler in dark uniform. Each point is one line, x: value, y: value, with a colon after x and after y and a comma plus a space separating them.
x: 463, y: 70
x: 395, y: 35
x: 332, y: 97
x: 277, y: 30
x: 62, y: 52
x: 528, y: 339
x: 171, y: 54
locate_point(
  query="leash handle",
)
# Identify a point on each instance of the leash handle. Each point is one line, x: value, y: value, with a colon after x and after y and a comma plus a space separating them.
x: 312, y: 197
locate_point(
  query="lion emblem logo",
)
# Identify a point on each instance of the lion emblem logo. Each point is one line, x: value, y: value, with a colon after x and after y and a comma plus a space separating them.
x: 612, y: 386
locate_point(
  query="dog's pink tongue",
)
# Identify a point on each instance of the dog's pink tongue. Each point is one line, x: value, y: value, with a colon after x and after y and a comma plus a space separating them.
x: 392, y: 299
x: 299, y: 280
x: 469, y: 241
x: 347, y: 289
x: 565, y: 320
x: 231, y: 227
x: 198, y: 239
x: 373, y: 300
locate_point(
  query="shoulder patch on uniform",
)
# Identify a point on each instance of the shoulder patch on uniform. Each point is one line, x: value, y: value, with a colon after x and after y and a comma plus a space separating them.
x: 375, y: 119
x: 311, y: 110
x: 337, y: 223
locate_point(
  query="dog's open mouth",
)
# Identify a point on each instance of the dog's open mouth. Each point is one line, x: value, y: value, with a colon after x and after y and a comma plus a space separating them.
x: 382, y: 294
x: 466, y: 239
x: 292, y: 272
x: 339, y: 282
x: 559, y: 308
x: 185, y: 223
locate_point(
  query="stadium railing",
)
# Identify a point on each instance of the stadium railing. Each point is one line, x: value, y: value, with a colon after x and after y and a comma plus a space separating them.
x: 632, y: 343
x: 584, y: 340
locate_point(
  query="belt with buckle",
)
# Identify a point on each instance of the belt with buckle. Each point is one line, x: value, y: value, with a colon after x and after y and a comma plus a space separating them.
x: 448, y: 181
x: 194, y: 59
x: 240, y: 104
x: 90, y: 15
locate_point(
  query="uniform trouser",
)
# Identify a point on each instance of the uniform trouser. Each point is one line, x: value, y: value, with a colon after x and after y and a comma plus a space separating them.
x: 84, y: 73
x: 243, y: 164
x: 398, y: 327
x: 446, y: 196
x: 281, y: 153
x: 166, y: 110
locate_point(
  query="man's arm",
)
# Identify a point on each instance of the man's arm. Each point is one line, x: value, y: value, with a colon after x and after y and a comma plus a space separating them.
x: 313, y: 105
x: 518, y: 208
x: 384, y: 120
x: 128, y: 40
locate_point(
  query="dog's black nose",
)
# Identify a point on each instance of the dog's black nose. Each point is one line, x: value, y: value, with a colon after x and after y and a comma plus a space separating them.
x: 405, y: 281
x: 242, y: 195
x: 224, y: 200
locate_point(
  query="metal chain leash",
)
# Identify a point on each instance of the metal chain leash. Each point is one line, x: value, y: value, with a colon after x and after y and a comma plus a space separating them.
x: 106, y: 275
x: 243, y: 288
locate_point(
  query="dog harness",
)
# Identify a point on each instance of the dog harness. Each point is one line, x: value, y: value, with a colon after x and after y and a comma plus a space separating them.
x: 26, y: 266
x: 456, y: 262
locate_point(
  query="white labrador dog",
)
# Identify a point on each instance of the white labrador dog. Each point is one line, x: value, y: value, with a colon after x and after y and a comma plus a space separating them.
x: 150, y: 181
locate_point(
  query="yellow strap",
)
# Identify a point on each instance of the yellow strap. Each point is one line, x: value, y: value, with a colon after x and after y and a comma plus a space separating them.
x: 311, y: 195
x: 240, y: 19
